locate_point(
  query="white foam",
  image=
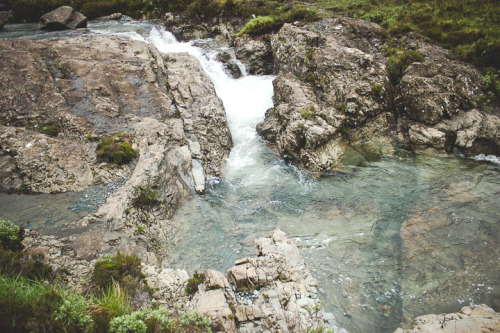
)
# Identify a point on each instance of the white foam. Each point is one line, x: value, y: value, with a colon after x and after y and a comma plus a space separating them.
x: 489, y: 158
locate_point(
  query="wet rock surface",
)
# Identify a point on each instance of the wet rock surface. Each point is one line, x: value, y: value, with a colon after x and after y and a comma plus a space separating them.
x: 60, y: 97
x: 333, y: 92
x: 276, y: 292
x: 63, y: 18
x: 271, y: 292
x: 470, y: 319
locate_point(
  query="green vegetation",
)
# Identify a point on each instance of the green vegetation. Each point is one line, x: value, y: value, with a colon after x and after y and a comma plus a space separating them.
x: 148, y: 196
x: 33, y: 300
x: 265, y: 24
x: 50, y: 129
x: 399, y: 61
x: 194, y: 282
x: 377, y: 89
x: 116, y: 149
x: 11, y: 236
x: 308, y: 113
x: 160, y: 320
x: 120, y: 268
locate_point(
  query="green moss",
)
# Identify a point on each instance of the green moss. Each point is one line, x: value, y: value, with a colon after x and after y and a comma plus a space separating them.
x: 193, y: 283
x: 50, y: 129
x: 11, y: 236
x: 377, y: 89
x: 308, y: 113
x: 399, y: 61
x: 120, y: 268
x: 116, y: 149
x: 148, y: 196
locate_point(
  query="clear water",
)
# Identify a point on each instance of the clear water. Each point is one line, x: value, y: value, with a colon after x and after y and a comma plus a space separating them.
x: 392, y: 239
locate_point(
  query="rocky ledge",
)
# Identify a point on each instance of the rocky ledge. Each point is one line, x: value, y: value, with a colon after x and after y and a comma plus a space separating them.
x: 470, y: 319
x: 273, y: 292
x: 59, y: 98
x: 343, y: 91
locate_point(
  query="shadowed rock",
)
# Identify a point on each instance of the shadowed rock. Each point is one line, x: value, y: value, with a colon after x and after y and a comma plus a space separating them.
x: 63, y: 18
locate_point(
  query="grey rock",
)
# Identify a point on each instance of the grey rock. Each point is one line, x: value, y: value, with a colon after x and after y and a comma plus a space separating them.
x: 470, y: 319
x: 63, y: 18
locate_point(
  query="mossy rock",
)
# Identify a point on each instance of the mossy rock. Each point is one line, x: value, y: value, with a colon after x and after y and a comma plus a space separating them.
x: 122, y: 269
x: 193, y: 283
x: 116, y: 149
x: 11, y: 236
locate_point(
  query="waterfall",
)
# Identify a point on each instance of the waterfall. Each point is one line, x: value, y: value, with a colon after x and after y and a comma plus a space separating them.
x: 245, y: 100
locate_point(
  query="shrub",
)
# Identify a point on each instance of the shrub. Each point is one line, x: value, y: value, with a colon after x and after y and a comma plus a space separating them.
x: 116, y: 149
x: 397, y: 63
x: 11, y: 236
x: 73, y: 312
x: 148, y: 196
x: 110, y: 304
x: 193, y: 283
x: 120, y: 268
x: 24, y: 264
x: 160, y: 320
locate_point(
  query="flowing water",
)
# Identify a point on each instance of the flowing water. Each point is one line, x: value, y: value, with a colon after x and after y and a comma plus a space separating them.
x: 388, y: 239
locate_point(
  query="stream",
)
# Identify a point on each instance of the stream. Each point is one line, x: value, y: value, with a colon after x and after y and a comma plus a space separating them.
x: 388, y: 239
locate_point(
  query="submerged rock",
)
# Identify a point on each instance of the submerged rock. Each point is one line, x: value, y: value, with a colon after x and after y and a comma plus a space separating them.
x: 63, y: 18
x: 273, y: 292
x: 470, y: 319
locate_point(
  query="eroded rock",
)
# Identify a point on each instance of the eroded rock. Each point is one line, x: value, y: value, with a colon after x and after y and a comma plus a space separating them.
x: 470, y: 319
x: 333, y: 95
x: 271, y: 292
x: 63, y: 18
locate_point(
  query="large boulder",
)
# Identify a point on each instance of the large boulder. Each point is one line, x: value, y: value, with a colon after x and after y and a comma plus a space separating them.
x: 327, y: 86
x: 63, y: 18
x: 343, y: 91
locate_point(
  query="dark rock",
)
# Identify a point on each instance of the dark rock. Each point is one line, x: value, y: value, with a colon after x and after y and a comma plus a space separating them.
x: 333, y: 93
x: 115, y: 16
x: 63, y: 18
x: 4, y: 17
x: 228, y: 62
x: 256, y: 54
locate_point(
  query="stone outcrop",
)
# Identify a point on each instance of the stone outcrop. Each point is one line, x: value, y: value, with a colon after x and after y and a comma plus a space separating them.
x: 327, y: 87
x: 333, y: 97
x: 63, y: 18
x: 256, y: 54
x: 88, y: 88
x: 470, y: 319
x: 61, y: 85
x: 273, y: 292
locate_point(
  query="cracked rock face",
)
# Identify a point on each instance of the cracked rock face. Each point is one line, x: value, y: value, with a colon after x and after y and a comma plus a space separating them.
x: 88, y: 88
x: 470, y: 319
x: 333, y: 96
x: 271, y: 292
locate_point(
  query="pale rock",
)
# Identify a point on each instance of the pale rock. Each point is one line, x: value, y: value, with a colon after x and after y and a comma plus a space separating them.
x: 470, y: 319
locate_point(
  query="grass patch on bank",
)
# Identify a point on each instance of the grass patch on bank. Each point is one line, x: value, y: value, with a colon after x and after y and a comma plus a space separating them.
x: 469, y: 28
x: 34, y: 299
